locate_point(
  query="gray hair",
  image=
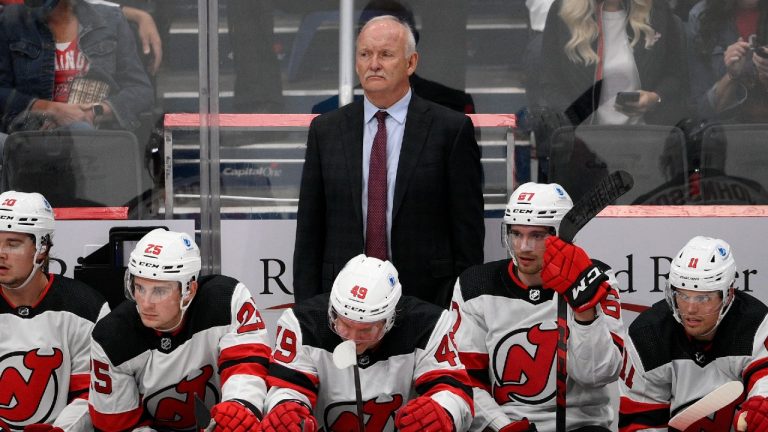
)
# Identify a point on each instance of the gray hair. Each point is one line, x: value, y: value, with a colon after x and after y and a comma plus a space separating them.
x: 410, y: 39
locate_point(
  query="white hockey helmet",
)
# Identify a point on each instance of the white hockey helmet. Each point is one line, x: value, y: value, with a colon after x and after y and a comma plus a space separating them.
x: 703, y: 264
x: 539, y: 204
x: 165, y: 256
x: 28, y: 213
x: 366, y: 290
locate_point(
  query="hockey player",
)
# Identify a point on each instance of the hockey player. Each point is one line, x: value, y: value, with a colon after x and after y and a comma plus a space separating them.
x: 45, y: 324
x: 178, y: 339
x: 507, y: 323
x: 410, y: 374
x: 703, y: 335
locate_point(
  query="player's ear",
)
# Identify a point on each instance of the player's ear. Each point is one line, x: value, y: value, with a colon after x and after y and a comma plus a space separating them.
x: 190, y: 294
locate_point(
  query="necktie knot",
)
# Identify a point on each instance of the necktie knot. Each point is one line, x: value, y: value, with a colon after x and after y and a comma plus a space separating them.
x: 381, y: 116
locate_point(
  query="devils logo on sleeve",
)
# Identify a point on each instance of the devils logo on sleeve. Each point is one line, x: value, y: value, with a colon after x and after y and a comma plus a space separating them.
x: 342, y: 416
x: 174, y: 406
x: 29, y: 387
x: 522, y: 366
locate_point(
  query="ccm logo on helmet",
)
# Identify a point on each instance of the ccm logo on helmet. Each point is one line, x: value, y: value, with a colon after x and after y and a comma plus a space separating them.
x: 523, y: 211
x: 6, y: 217
x: 148, y: 264
x: 586, y: 281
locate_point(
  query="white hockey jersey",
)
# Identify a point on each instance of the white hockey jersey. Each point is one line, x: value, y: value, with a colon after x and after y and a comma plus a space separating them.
x: 142, y: 377
x: 507, y: 338
x: 416, y: 357
x: 44, y: 356
x: 665, y: 370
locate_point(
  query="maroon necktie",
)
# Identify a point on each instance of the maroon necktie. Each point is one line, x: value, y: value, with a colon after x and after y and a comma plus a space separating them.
x: 376, y: 224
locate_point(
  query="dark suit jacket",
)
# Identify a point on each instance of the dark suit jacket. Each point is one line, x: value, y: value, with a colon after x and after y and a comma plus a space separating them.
x: 437, y: 217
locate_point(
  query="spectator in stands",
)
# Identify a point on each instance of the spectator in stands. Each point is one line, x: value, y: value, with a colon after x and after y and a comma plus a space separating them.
x: 68, y: 63
x: 146, y: 30
x: 593, y: 50
x: 729, y: 76
x: 454, y: 99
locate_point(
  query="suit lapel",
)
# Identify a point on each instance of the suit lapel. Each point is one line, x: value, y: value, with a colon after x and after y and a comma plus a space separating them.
x: 352, y: 142
x: 417, y: 125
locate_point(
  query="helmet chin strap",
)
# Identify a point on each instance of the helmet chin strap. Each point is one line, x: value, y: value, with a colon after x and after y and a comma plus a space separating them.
x: 35, y: 267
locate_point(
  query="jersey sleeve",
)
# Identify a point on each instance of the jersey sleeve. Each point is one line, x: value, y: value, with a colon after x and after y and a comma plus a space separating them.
x: 244, y: 353
x: 469, y: 333
x: 292, y: 372
x: 755, y: 374
x: 115, y: 402
x: 595, y: 349
x: 74, y: 417
x: 440, y: 374
x: 644, y: 403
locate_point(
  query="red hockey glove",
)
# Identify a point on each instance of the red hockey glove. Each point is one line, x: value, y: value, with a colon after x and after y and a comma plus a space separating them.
x: 287, y: 417
x: 756, y: 408
x: 41, y: 427
x: 569, y: 271
x: 232, y: 416
x: 519, y: 426
x: 423, y: 414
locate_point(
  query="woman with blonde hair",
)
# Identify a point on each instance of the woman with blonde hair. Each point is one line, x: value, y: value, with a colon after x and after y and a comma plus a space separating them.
x: 614, y: 61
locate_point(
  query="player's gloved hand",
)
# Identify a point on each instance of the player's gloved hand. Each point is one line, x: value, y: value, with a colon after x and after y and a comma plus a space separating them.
x: 232, y: 416
x: 519, y: 426
x: 287, y: 417
x: 756, y: 409
x: 423, y: 414
x: 568, y: 270
x: 41, y: 427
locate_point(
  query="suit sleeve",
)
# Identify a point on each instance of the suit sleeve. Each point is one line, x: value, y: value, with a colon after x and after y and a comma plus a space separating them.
x: 644, y: 396
x: 440, y: 375
x: 310, y: 224
x: 292, y: 372
x: 244, y: 353
x: 469, y: 333
x: 465, y: 177
x: 595, y: 349
x: 74, y: 417
x: 115, y: 402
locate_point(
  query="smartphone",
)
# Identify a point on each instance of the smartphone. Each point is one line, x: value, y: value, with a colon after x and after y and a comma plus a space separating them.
x: 762, y: 51
x: 622, y: 98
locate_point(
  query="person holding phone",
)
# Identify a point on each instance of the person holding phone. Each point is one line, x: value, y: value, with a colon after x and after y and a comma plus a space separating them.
x: 728, y: 60
x: 593, y: 51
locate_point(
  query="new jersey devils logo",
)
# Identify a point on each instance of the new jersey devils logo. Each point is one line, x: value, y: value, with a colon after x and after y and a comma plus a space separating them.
x: 173, y: 407
x: 29, y: 386
x: 522, y: 366
x: 379, y: 415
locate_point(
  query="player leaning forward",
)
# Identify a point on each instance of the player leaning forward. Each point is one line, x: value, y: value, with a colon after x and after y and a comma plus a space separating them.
x: 705, y: 334
x: 180, y: 337
x: 507, y: 323
x: 411, y: 377
x: 45, y: 324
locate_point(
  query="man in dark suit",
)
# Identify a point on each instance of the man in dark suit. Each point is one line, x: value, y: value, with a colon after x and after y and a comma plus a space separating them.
x: 432, y: 227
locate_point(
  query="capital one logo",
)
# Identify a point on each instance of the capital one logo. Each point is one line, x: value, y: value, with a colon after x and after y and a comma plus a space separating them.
x: 174, y: 406
x: 379, y: 415
x: 29, y: 386
x: 522, y: 365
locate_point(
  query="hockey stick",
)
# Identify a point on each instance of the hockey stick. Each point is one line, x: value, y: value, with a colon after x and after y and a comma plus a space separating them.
x: 714, y: 401
x: 203, y: 421
x: 602, y: 195
x: 344, y: 356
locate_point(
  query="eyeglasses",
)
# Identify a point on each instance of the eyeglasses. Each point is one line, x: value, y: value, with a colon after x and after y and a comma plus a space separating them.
x: 153, y: 293
x: 13, y: 247
x: 534, y: 237
x: 697, y: 299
